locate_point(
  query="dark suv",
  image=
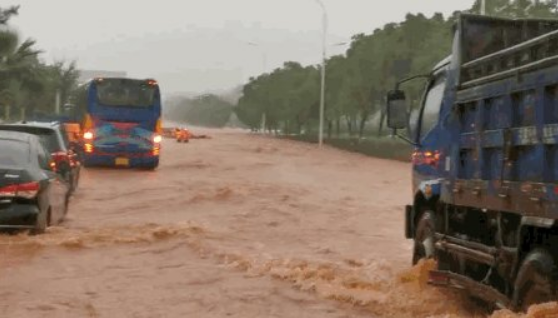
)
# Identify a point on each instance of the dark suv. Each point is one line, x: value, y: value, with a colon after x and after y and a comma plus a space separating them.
x: 54, y: 138
x: 32, y: 195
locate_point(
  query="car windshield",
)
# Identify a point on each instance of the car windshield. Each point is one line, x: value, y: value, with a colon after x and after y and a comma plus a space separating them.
x: 13, y: 152
x: 125, y: 92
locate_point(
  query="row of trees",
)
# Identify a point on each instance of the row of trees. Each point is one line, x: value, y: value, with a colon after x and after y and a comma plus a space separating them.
x: 288, y: 97
x: 207, y: 110
x: 28, y: 85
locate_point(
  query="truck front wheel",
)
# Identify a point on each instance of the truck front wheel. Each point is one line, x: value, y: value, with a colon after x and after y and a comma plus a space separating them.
x: 424, y: 238
x: 535, y: 280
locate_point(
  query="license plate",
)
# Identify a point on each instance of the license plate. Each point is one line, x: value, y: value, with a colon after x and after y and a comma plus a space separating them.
x: 122, y: 161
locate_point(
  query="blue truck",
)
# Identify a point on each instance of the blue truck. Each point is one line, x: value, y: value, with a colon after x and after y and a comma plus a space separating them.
x: 485, y: 162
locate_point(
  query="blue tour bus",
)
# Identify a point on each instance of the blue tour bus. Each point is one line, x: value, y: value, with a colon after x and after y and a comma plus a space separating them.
x: 120, y: 122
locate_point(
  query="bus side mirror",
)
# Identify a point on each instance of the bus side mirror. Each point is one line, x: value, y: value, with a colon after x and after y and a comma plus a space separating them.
x: 397, y: 115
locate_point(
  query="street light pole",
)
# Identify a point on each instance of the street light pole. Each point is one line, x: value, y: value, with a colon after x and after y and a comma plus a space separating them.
x: 322, y: 90
x: 483, y: 7
x: 57, y: 102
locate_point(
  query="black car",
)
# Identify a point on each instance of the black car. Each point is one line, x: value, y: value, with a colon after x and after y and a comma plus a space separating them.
x: 32, y: 196
x: 54, y: 138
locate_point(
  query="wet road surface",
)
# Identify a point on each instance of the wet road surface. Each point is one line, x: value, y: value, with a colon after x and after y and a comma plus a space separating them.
x: 234, y: 226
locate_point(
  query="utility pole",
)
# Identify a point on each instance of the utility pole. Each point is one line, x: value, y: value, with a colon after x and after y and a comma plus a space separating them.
x: 483, y: 7
x: 57, y: 102
x: 264, y: 59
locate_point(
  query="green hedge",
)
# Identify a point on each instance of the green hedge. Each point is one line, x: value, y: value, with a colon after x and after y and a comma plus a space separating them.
x: 386, y: 147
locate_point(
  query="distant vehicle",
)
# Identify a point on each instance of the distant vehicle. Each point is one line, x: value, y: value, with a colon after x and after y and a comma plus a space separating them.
x: 53, y: 137
x: 182, y: 135
x: 32, y: 195
x: 120, y: 120
x: 485, y: 164
x: 73, y: 133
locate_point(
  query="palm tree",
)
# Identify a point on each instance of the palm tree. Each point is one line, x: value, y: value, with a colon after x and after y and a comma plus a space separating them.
x: 6, y: 14
x: 63, y: 77
x: 25, y: 82
x: 20, y: 70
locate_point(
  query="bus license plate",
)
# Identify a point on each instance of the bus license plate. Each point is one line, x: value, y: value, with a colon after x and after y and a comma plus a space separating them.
x: 122, y: 161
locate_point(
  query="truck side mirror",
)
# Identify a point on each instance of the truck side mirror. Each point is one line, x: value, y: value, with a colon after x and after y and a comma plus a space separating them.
x: 397, y: 115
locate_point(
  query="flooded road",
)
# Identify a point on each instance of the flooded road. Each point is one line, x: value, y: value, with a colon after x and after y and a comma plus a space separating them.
x: 234, y: 226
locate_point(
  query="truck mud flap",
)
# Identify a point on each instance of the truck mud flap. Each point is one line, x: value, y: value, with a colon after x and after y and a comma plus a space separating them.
x: 480, y: 291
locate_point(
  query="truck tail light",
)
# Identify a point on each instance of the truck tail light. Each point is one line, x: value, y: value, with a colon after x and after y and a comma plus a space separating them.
x: 430, y: 158
x: 27, y: 190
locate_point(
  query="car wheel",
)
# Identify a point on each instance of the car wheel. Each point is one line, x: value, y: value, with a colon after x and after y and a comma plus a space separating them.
x: 424, y: 238
x: 41, y: 223
x: 535, y: 280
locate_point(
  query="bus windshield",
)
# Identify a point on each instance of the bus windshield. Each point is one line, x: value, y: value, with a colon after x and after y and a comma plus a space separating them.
x: 125, y: 92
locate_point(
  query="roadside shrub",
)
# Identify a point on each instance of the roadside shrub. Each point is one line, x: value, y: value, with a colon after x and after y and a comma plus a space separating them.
x: 385, y: 147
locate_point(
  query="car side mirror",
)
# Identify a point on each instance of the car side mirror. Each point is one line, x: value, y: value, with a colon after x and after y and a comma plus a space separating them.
x: 397, y: 113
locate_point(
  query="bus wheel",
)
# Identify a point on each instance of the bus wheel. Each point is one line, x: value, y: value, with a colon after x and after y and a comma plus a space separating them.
x: 424, y: 238
x: 535, y: 280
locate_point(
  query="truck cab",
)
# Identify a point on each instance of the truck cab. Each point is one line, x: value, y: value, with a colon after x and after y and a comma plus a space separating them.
x: 484, y: 197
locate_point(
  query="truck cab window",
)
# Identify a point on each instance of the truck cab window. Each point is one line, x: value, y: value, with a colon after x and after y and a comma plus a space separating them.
x: 432, y: 105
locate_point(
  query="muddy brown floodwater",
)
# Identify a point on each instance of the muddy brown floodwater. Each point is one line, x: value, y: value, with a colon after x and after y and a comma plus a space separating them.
x: 234, y: 226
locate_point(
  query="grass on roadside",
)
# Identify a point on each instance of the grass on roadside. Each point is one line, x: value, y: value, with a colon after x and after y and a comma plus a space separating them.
x: 380, y: 147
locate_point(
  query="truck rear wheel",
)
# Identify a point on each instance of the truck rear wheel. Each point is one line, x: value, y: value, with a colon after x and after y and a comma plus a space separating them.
x: 535, y: 280
x: 424, y: 238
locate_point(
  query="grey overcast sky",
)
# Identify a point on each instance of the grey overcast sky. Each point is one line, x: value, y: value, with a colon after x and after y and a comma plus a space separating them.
x: 198, y: 45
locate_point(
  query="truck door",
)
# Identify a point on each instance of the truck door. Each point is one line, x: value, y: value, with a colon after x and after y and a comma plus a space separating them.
x: 428, y: 133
